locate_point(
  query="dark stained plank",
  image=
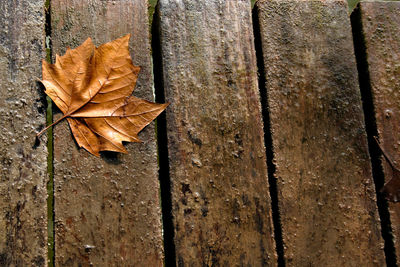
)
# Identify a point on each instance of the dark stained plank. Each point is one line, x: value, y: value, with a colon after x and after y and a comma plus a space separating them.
x: 220, y: 194
x: 381, y: 27
x: 325, y: 188
x: 107, y: 209
x: 23, y: 173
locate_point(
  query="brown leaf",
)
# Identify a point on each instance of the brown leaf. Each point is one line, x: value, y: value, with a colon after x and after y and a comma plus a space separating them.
x: 92, y: 87
x: 392, y: 188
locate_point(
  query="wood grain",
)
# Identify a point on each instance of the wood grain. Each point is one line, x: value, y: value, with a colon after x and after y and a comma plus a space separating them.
x: 381, y: 28
x: 107, y: 210
x: 220, y: 194
x: 23, y: 212
x: 325, y: 188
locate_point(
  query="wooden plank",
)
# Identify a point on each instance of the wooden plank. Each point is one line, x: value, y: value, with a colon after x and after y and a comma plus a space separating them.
x: 107, y: 209
x: 220, y: 194
x: 325, y: 189
x: 381, y: 28
x: 23, y: 212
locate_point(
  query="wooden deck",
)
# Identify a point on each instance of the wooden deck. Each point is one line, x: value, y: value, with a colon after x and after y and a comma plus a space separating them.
x: 265, y: 156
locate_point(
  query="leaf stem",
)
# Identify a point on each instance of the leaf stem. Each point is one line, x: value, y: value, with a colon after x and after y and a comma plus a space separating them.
x: 389, y: 160
x: 54, y: 123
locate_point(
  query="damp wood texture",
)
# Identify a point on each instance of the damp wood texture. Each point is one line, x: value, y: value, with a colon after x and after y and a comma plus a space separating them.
x: 264, y: 157
x: 326, y: 192
x: 107, y: 210
x: 219, y: 183
x: 381, y: 27
x: 23, y: 173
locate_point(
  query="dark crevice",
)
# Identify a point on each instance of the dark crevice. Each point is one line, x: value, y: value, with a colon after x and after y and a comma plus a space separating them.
x: 50, y: 167
x: 273, y: 189
x: 161, y: 128
x: 370, y: 123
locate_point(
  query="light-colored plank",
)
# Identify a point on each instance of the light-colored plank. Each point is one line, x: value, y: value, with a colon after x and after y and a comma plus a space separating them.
x: 325, y: 188
x: 23, y: 212
x: 107, y: 209
x: 220, y: 197
x: 381, y: 28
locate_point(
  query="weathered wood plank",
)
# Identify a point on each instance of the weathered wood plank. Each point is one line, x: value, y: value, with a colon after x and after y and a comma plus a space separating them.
x: 107, y: 210
x: 220, y: 196
x: 325, y: 188
x: 381, y: 28
x: 23, y: 212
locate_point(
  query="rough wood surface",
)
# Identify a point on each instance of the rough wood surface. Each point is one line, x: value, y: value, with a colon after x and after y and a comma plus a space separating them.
x: 325, y: 188
x: 23, y: 212
x: 220, y: 196
x: 381, y: 27
x: 107, y: 209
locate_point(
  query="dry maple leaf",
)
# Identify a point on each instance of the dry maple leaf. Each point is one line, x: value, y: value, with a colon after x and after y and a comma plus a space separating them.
x: 392, y: 188
x: 92, y: 87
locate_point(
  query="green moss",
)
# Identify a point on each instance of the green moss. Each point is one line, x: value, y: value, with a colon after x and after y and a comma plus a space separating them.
x: 352, y: 4
x: 50, y: 186
x: 50, y: 171
x: 151, y: 9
